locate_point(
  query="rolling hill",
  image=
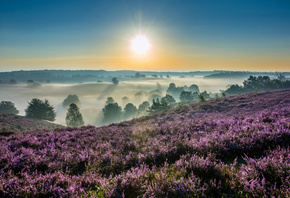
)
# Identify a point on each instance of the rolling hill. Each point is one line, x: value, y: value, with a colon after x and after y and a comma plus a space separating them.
x: 13, y: 123
x: 227, y: 147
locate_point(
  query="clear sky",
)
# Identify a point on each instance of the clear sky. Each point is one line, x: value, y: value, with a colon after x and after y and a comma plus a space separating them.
x: 184, y: 35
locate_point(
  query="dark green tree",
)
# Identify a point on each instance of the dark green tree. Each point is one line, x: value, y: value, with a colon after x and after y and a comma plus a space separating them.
x: 110, y: 100
x: 112, y: 113
x: 187, y: 96
x: 144, y: 106
x: 193, y: 88
x: 73, y: 117
x: 158, y: 106
x: 130, y: 111
x: 115, y: 81
x: 8, y: 107
x: 168, y: 98
x: 71, y: 99
x: 41, y: 110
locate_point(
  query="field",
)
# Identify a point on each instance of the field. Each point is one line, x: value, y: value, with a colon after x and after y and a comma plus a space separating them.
x: 226, y: 147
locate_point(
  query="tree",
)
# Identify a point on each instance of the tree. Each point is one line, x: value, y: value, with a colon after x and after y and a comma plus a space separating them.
x: 32, y: 84
x: 39, y: 109
x: 115, y: 81
x: 73, y: 117
x: 193, y: 88
x: 130, y: 110
x: 144, y: 106
x: 187, y: 96
x: 125, y: 100
x: 112, y: 113
x: 157, y: 106
x: 71, y: 99
x: 110, y: 100
x: 168, y: 98
x: 8, y: 107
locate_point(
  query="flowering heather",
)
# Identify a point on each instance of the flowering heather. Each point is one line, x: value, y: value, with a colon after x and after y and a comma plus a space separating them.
x: 232, y: 147
x: 15, y: 123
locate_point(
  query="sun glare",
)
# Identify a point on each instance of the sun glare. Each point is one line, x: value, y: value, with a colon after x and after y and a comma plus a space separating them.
x: 140, y: 45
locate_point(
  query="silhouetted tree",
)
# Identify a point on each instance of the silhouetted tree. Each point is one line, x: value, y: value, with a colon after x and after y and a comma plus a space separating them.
x: 157, y: 106
x: 187, y: 96
x: 193, y: 88
x: 205, y: 94
x: 130, y: 111
x: 39, y: 109
x: 280, y: 76
x: 144, y: 106
x: 32, y: 84
x: 115, y: 81
x: 175, y: 91
x: 71, y: 99
x: 8, y: 107
x: 168, y: 98
x: 110, y: 100
x: 73, y: 117
x: 112, y: 113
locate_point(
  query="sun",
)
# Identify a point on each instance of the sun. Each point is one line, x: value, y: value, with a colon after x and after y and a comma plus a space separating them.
x: 140, y: 45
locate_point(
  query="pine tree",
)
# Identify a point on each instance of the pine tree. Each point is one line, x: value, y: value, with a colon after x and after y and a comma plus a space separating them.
x: 73, y: 117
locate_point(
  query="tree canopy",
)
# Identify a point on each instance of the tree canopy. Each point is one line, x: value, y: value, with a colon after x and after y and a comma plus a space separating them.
x: 130, y: 111
x: 39, y: 109
x: 8, y: 107
x: 71, y: 99
x: 112, y: 113
x: 73, y: 117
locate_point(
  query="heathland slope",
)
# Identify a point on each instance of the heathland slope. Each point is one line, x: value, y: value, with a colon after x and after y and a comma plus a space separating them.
x: 228, y: 147
x: 15, y: 123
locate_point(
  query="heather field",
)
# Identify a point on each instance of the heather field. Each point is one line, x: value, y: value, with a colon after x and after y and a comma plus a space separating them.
x: 227, y: 147
x: 10, y: 124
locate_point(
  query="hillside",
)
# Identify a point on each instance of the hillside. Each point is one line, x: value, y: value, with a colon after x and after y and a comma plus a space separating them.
x: 229, y: 147
x: 15, y: 123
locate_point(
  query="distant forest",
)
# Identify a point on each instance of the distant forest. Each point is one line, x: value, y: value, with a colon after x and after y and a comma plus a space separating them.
x: 244, y: 74
x: 76, y: 76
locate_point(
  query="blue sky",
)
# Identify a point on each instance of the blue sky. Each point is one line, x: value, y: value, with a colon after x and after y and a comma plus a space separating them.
x: 185, y: 35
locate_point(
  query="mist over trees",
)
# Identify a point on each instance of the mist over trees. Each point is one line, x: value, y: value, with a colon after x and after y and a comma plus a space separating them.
x: 115, y: 81
x: 168, y: 99
x: 112, y: 113
x: 71, y: 99
x: 187, y: 96
x: 8, y: 107
x: 41, y: 110
x: 130, y: 111
x: 144, y: 106
x: 260, y: 83
x: 73, y: 117
x: 176, y: 91
x: 158, y: 106
x: 110, y: 100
